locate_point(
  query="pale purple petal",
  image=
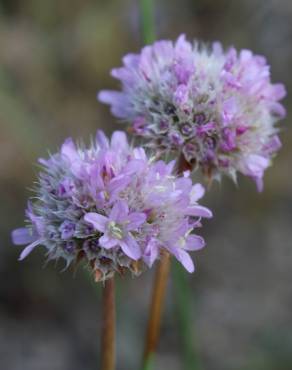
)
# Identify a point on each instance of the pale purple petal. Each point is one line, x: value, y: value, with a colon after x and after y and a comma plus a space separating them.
x: 217, y: 48
x: 259, y: 184
x: 98, y: 221
x: 109, y: 96
x: 119, y: 212
x: 117, y: 184
x: 135, y: 220
x: 197, y: 192
x: 22, y: 236
x: 27, y: 250
x: 139, y: 153
x: 194, y: 243
x: 95, y: 179
x: 199, y: 211
x: 182, y: 46
x: 68, y: 150
x: 130, y: 247
x: 273, y: 145
x: 131, y: 60
x: 135, y: 166
x: 117, y: 100
x: 278, y: 91
x: 184, y: 258
x: 278, y: 109
x: 107, y: 242
x: 119, y: 141
x: 163, y: 51
x: 123, y: 74
x: 254, y: 165
x: 102, y: 140
x: 37, y: 221
x: 151, y: 252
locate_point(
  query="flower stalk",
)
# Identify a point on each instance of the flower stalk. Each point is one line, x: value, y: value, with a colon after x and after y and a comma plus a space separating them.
x: 147, y: 21
x: 184, y: 311
x: 157, y: 300
x: 108, y: 346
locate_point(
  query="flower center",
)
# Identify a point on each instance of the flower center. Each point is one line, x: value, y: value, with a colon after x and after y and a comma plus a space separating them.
x: 182, y: 242
x: 115, y: 230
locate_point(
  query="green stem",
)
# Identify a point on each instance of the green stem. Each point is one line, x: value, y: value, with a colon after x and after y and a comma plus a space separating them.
x: 149, y: 363
x: 183, y: 299
x: 147, y: 21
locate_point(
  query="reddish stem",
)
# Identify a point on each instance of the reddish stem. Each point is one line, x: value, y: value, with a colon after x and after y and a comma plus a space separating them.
x: 108, y: 350
x: 158, y: 295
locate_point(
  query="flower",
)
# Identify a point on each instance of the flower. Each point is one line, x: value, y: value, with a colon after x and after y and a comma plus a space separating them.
x: 218, y: 109
x: 117, y: 228
x: 113, y: 207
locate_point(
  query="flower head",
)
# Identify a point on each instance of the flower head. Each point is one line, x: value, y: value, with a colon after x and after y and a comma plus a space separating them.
x: 113, y: 207
x: 216, y: 108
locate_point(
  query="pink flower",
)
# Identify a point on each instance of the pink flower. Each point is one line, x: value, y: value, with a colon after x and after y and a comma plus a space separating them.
x: 110, y: 205
x: 217, y: 108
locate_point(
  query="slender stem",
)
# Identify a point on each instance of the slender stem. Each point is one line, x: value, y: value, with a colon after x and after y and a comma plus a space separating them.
x: 108, y: 349
x: 183, y: 313
x: 147, y: 21
x: 158, y: 295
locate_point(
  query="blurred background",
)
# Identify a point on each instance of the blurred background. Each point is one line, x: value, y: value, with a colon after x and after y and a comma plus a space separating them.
x: 55, y: 55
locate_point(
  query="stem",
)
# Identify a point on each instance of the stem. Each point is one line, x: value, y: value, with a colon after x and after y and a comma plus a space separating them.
x: 147, y: 21
x: 184, y: 309
x: 108, y: 349
x: 157, y: 300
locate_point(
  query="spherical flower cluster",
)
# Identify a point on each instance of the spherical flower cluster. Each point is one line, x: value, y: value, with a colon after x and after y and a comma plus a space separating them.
x: 216, y: 108
x: 113, y: 207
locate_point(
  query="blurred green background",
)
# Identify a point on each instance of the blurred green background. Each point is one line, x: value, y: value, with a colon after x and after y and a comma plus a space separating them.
x: 55, y: 55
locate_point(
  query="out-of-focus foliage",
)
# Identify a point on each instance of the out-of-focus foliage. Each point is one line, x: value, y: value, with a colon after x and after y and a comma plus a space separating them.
x: 55, y: 56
